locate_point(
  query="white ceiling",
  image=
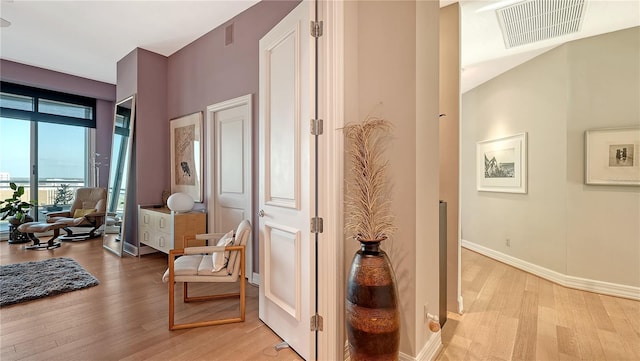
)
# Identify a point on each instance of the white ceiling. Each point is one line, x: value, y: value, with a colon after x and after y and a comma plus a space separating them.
x: 87, y: 38
x: 483, y: 53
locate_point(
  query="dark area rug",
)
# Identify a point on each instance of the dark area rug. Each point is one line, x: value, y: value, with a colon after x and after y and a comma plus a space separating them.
x: 26, y: 281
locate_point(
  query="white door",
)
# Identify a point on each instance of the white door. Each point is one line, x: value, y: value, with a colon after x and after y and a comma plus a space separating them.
x: 229, y: 140
x: 285, y: 194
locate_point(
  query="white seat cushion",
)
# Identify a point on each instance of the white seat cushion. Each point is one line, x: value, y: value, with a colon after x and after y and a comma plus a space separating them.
x: 197, y: 268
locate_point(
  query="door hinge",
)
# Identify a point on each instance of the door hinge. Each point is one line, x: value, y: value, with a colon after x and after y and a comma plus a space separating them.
x: 316, y: 225
x: 316, y: 126
x: 316, y: 322
x: 316, y: 29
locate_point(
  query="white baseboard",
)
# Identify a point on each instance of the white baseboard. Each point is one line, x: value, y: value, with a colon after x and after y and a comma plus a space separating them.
x: 111, y: 229
x: 255, y: 279
x: 584, y: 284
x: 130, y: 249
x: 428, y: 352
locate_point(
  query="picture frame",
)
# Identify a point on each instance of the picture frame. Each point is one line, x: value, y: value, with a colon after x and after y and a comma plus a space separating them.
x: 187, y: 156
x: 502, y: 164
x: 612, y: 156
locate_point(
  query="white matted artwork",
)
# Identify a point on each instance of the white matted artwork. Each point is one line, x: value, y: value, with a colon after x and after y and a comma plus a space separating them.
x: 502, y: 164
x: 186, y: 155
x: 612, y: 156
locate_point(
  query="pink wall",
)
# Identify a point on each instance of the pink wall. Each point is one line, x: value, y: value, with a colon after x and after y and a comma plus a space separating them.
x: 206, y: 71
x: 46, y: 79
x: 152, y: 132
x: 127, y: 75
x: 144, y: 74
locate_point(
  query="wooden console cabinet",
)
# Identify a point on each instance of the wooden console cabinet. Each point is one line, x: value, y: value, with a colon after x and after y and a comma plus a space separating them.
x: 163, y: 229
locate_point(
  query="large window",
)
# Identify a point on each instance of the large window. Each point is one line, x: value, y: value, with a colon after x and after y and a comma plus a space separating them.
x: 45, y: 139
x: 33, y: 104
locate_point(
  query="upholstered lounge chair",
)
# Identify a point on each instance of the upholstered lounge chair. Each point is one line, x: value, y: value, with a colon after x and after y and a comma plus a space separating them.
x: 88, y: 210
x: 197, y: 264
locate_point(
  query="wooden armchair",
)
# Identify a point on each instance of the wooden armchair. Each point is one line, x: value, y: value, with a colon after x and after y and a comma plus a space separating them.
x: 224, y: 262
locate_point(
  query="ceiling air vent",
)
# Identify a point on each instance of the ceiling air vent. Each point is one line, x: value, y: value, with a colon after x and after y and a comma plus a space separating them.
x: 536, y: 20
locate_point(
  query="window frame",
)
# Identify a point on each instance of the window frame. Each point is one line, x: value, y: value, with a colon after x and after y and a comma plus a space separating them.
x: 38, y: 94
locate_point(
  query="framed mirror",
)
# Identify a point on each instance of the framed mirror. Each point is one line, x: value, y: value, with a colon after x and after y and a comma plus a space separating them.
x: 121, y: 149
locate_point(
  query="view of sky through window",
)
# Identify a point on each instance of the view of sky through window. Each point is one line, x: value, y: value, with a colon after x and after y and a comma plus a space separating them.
x: 61, y: 150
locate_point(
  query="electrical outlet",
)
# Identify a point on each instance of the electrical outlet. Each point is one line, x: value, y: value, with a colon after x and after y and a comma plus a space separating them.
x: 507, y: 242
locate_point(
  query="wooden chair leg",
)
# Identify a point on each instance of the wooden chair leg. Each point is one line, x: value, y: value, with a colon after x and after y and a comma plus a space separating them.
x: 186, y: 298
x: 242, y: 286
x: 172, y: 286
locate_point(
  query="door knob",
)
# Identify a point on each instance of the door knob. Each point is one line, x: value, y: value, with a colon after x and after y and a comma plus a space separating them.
x: 261, y: 213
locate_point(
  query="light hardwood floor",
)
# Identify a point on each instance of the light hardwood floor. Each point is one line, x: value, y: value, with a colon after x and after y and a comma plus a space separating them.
x: 513, y: 315
x: 125, y: 317
x: 510, y: 315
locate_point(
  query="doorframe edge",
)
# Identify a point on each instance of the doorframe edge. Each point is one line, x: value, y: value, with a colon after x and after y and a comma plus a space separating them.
x: 331, y: 248
x: 211, y: 168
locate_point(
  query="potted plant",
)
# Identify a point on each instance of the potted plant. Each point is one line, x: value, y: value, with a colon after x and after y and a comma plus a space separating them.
x: 371, y: 283
x: 63, y: 196
x: 17, y: 212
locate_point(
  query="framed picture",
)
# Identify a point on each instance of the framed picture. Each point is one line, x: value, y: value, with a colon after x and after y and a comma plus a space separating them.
x: 186, y: 155
x: 612, y: 156
x: 502, y: 164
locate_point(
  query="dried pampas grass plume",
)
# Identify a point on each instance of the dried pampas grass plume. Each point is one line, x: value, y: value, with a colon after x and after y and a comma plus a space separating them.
x: 368, y: 208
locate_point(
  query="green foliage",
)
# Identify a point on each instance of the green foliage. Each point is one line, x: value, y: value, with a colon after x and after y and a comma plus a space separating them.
x: 14, y: 206
x: 64, y: 195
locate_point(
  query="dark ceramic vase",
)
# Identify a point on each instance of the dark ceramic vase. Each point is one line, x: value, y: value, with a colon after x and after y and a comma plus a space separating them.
x: 372, y: 315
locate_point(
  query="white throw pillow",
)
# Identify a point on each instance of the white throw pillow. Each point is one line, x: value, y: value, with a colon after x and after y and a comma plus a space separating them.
x: 235, y: 258
x: 220, y: 259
